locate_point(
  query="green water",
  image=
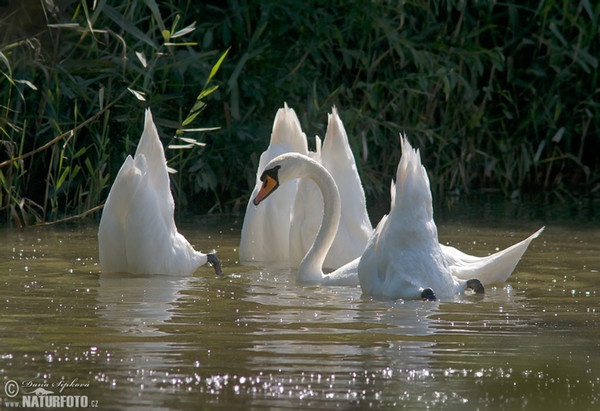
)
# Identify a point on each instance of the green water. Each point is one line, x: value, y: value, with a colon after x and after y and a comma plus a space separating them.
x: 255, y: 340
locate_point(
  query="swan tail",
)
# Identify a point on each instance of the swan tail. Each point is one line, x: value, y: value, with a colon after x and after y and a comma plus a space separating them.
x: 411, y: 195
x: 287, y: 130
x: 495, y: 268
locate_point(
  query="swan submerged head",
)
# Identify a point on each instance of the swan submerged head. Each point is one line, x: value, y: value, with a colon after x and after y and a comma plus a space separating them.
x: 137, y: 232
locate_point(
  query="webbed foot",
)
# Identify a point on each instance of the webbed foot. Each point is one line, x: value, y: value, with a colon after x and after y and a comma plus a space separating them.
x: 428, y: 295
x: 476, y: 286
x: 215, y: 263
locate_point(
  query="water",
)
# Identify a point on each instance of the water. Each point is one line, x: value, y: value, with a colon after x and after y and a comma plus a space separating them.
x: 256, y: 340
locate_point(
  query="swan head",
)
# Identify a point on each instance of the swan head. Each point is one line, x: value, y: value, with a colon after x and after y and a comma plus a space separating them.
x: 284, y: 168
x: 270, y: 183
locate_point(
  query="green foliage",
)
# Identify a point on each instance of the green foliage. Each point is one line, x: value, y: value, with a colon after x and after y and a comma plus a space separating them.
x: 73, y: 98
x: 498, y: 96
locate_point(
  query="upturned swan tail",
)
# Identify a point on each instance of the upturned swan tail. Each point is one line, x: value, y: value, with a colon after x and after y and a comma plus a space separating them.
x: 495, y: 268
x: 287, y: 130
x: 411, y: 196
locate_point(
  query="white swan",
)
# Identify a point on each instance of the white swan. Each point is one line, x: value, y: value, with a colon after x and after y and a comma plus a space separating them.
x: 355, y: 227
x: 137, y: 232
x: 286, y: 168
x: 404, y: 259
x: 261, y: 242
x: 295, y: 211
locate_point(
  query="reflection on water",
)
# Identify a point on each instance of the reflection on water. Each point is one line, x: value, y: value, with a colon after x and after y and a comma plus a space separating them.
x: 254, y: 339
x: 137, y: 303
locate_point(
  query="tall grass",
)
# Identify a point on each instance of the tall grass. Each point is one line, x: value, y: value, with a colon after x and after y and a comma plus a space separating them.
x: 498, y: 96
x: 73, y: 98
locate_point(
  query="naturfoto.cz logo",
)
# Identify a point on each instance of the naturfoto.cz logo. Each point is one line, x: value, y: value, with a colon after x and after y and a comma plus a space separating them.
x: 46, y: 395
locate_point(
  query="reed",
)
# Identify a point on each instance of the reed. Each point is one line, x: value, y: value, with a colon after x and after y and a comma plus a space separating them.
x: 73, y: 99
x: 499, y: 97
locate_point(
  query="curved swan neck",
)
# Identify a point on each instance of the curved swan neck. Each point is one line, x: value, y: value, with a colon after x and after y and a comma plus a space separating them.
x: 311, y: 267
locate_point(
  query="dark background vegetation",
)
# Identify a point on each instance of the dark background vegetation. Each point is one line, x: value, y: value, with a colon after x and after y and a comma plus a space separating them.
x: 500, y: 97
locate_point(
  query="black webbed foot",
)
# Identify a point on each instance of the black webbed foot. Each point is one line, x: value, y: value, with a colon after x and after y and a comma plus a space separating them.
x: 215, y: 263
x: 476, y: 286
x: 428, y: 295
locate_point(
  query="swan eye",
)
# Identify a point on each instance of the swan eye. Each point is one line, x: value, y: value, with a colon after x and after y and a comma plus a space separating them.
x: 270, y: 183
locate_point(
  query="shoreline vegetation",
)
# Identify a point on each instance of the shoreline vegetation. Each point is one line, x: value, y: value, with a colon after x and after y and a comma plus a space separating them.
x: 499, y: 97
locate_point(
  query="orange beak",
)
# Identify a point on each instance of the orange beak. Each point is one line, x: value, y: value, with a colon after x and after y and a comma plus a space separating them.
x: 269, y: 185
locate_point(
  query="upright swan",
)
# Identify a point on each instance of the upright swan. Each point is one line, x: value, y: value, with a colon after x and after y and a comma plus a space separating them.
x: 298, y: 206
x: 288, y: 167
x: 355, y: 227
x: 137, y: 232
x: 271, y: 242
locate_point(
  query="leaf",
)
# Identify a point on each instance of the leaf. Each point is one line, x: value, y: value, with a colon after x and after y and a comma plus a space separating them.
x: 62, y: 178
x: 189, y: 43
x: 215, y: 68
x: 138, y: 94
x: 126, y: 25
x: 101, y: 97
x: 142, y: 58
x: 6, y: 63
x: 206, y: 92
x: 558, y: 136
x: 192, y: 141
x: 27, y: 83
x: 184, y: 31
x: 194, y: 130
x: 156, y: 13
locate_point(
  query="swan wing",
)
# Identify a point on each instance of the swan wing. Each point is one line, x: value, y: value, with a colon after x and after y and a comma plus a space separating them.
x: 137, y: 231
x: 490, y: 269
x: 111, y: 232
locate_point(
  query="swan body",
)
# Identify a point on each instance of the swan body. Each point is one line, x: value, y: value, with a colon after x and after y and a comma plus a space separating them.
x: 288, y: 167
x: 355, y: 227
x: 271, y: 242
x: 404, y: 258
x: 137, y: 232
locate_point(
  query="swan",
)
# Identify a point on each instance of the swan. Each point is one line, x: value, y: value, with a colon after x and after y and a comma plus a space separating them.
x: 404, y: 259
x: 137, y: 232
x: 295, y: 210
x: 355, y: 227
x: 271, y: 242
x: 288, y: 167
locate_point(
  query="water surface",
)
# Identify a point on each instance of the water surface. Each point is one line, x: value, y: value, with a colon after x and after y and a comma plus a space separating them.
x: 255, y: 340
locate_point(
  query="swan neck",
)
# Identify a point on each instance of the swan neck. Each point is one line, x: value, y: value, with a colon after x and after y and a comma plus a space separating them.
x: 311, y: 267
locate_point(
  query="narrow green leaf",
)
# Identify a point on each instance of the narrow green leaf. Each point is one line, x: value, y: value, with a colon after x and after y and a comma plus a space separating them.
x: 153, y: 6
x: 206, y: 92
x: 128, y: 26
x: 62, y: 178
x: 215, y: 68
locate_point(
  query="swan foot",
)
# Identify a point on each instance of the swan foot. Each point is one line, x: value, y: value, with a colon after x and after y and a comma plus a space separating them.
x: 428, y: 295
x: 475, y: 286
x: 215, y: 263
